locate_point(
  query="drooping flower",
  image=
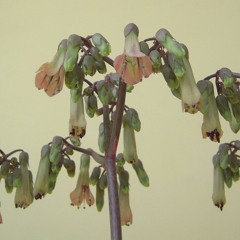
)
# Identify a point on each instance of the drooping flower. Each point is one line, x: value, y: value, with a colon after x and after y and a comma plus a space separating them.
x: 132, y: 65
x: 77, y: 121
x: 50, y: 76
x: 218, y: 195
x: 41, y: 182
x: 82, y: 193
x: 24, y: 193
x: 125, y: 209
x: 211, y: 126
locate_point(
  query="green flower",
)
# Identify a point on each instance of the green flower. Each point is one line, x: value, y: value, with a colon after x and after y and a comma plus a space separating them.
x: 24, y: 193
x: 218, y: 195
x: 41, y: 182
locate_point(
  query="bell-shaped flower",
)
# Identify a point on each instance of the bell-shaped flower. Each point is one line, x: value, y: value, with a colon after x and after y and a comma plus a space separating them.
x: 125, y: 209
x: 77, y: 121
x: 82, y: 193
x: 50, y: 76
x: 132, y: 65
x: 24, y: 193
x: 211, y: 126
x: 218, y: 195
x: 190, y: 94
x: 41, y: 182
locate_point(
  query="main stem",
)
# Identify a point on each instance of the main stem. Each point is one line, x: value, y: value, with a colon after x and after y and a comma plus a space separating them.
x: 112, y: 137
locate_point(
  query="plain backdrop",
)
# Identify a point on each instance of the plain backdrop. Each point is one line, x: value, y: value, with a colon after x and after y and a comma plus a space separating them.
x: 178, y: 203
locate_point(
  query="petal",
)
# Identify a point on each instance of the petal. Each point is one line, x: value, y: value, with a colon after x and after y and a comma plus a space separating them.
x: 119, y: 63
x: 76, y: 197
x: 146, y: 66
x: 132, y: 73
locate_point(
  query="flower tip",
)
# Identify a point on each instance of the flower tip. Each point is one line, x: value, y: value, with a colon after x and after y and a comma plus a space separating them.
x: 131, y: 27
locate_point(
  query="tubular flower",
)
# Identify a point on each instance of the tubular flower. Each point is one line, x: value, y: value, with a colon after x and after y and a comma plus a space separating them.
x: 125, y: 209
x: 211, y: 126
x: 77, y: 121
x: 50, y: 76
x: 132, y: 65
x: 82, y: 193
x: 41, y: 182
x: 190, y: 94
x: 218, y: 195
x: 24, y: 193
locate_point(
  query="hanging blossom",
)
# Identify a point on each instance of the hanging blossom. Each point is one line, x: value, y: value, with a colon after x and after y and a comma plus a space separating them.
x: 218, y: 195
x: 211, y: 126
x: 24, y: 193
x: 132, y: 65
x: 50, y: 76
x: 125, y: 209
x: 82, y: 193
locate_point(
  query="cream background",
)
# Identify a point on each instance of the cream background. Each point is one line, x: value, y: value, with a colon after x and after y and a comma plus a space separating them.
x: 178, y: 203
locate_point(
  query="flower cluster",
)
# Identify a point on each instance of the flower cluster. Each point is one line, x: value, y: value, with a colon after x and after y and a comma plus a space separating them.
x: 226, y: 171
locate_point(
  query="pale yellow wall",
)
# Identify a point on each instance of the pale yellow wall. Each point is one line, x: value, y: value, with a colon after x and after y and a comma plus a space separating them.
x: 178, y: 205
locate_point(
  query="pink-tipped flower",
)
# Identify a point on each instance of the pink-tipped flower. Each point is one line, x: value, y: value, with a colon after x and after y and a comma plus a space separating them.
x: 125, y: 209
x: 132, y: 65
x: 82, y: 193
x: 50, y: 76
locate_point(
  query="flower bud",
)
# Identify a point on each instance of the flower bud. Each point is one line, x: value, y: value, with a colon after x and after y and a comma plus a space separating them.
x: 101, y: 66
x: 223, y: 107
x: 101, y: 140
x: 102, y: 44
x: 234, y: 125
x: 132, y: 118
x: 228, y: 177
x: 56, y: 148
x: 74, y: 79
x: 102, y: 183
x: 120, y: 160
x: 141, y: 173
x: 73, y: 46
x: 105, y: 91
x: 166, y: 39
x: 95, y: 53
x: 69, y: 151
x: 91, y: 105
x: 9, y: 183
x: 226, y: 76
x: 88, y: 65
x: 99, y: 197
x: 70, y: 166
x: 176, y: 64
x: 95, y: 176
x: 156, y: 61
x: 144, y: 48
x: 5, y: 167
